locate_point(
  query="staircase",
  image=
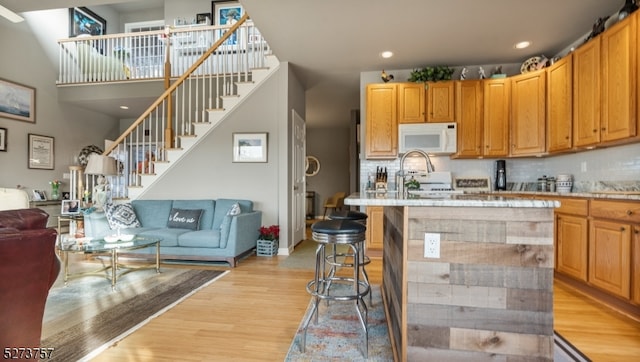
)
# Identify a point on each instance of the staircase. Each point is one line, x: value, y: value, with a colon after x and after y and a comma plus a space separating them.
x: 191, y: 107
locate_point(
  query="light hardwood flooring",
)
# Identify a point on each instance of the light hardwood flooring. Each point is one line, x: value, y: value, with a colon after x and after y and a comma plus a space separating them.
x: 253, y: 312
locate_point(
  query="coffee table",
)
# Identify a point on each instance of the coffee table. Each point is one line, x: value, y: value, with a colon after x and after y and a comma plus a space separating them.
x: 100, y: 246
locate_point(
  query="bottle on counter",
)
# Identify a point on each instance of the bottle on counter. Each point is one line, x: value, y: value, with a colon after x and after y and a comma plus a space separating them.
x: 542, y: 184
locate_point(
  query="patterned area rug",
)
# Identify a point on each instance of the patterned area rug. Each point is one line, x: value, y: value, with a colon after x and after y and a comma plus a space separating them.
x: 338, y: 335
x: 85, y: 317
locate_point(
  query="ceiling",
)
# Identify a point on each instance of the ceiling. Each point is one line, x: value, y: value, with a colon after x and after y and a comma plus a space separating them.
x: 329, y: 43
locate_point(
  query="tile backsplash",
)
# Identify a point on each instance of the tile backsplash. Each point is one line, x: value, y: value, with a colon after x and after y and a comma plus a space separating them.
x: 594, y: 169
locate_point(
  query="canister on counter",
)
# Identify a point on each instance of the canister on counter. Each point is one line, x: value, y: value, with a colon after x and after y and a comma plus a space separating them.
x: 542, y: 184
x: 551, y: 184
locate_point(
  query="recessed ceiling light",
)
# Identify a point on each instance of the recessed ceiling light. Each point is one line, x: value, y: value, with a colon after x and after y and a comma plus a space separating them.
x: 522, y: 45
x: 386, y: 54
x: 124, y: 107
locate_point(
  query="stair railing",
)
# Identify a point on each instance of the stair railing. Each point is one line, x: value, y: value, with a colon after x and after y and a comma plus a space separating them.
x: 186, y: 102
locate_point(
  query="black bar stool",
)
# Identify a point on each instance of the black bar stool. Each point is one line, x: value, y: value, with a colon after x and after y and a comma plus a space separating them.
x: 345, y: 288
x: 333, y: 260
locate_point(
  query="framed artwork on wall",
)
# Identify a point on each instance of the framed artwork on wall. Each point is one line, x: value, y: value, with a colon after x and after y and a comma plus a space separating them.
x: 85, y: 21
x: 41, y: 154
x: 250, y: 147
x: 3, y: 139
x: 226, y: 12
x: 17, y: 101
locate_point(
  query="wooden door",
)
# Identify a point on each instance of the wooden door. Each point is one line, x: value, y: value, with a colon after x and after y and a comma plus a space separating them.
x: 571, y: 246
x: 619, y: 81
x: 411, y: 103
x: 440, y: 101
x: 610, y: 257
x: 528, y: 117
x: 469, y: 103
x: 586, y: 94
x: 381, y: 124
x: 559, y: 104
x: 496, y: 117
x: 375, y: 227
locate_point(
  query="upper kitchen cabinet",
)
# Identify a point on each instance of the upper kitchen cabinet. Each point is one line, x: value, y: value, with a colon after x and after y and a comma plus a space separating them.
x: 586, y: 94
x: 559, y: 102
x: 381, y: 133
x: 619, y: 81
x: 440, y: 101
x: 411, y: 102
x: 528, y: 117
x: 469, y: 106
x: 497, y: 96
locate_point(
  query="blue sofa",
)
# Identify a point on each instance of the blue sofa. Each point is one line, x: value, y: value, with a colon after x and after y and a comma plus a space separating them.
x: 220, y: 235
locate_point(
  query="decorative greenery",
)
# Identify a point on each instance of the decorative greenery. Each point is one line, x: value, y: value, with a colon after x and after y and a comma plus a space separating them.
x: 412, y: 184
x: 270, y: 233
x: 431, y: 74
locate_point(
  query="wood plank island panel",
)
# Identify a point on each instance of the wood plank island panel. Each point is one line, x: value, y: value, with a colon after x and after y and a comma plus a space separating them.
x: 490, y: 294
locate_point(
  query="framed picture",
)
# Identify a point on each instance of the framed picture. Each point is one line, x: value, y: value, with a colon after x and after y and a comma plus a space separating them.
x: 41, y: 154
x: 204, y: 19
x: 66, y: 195
x: 85, y: 21
x: 70, y: 207
x: 17, y: 101
x: 226, y: 12
x: 250, y: 147
x: 3, y: 139
x: 39, y: 195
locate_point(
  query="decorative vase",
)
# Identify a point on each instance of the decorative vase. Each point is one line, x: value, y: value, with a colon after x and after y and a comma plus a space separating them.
x: 55, y: 194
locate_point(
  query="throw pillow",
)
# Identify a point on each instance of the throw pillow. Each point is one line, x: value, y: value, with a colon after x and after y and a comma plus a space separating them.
x: 121, y: 216
x: 185, y: 219
x: 234, y: 210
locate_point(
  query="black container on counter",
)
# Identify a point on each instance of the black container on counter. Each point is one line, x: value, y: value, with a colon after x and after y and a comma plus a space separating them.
x: 501, y: 175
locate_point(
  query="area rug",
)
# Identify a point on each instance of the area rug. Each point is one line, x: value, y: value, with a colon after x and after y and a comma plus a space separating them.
x: 304, y: 256
x: 85, y: 317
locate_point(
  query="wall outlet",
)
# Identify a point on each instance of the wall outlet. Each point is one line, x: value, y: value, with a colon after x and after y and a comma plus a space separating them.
x: 431, y: 245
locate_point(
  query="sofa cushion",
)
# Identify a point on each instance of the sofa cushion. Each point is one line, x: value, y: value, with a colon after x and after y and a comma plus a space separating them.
x: 226, y: 223
x: 224, y: 205
x: 121, y: 216
x: 152, y: 213
x: 207, y: 206
x: 200, y: 239
x: 169, y: 237
x: 185, y: 219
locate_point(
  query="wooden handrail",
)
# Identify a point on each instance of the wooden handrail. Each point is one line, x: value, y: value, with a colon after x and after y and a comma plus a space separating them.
x: 177, y: 83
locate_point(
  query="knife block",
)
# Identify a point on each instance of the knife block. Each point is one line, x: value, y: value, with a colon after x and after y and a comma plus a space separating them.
x: 381, y: 186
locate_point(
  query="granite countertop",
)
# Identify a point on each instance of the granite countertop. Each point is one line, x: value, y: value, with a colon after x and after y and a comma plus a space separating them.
x: 448, y: 200
x: 615, y: 195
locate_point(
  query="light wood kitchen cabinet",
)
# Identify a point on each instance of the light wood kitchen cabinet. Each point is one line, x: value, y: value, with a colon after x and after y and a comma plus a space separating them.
x: 411, y: 103
x: 440, y: 101
x: 635, y: 265
x: 497, y: 96
x: 586, y: 94
x: 382, y: 124
x: 559, y: 105
x: 610, y: 256
x: 469, y: 105
x: 375, y: 227
x: 528, y: 114
x: 619, y: 81
x: 571, y: 231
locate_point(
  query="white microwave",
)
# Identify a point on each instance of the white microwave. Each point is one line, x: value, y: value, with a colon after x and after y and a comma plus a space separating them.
x: 433, y: 138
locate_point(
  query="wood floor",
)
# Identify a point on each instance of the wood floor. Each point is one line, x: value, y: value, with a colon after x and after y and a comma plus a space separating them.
x: 252, y: 313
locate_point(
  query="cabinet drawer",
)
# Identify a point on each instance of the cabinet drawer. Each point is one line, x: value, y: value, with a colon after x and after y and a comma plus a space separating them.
x: 573, y: 206
x: 618, y: 210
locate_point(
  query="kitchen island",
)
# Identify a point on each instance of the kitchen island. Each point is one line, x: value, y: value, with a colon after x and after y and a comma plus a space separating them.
x: 485, y: 292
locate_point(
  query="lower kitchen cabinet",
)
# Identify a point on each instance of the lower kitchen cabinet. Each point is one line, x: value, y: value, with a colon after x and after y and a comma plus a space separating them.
x: 610, y: 257
x: 635, y: 265
x: 375, y: 227
x: 571, y: 245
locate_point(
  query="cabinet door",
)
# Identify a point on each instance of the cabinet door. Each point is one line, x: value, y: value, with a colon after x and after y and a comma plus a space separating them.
x: 411, y: 102
x: 610, y: 257
x: 375, y: 227
x: 469, y: 103
x: 619, y: 81
x: 381, y: 124
x: 571, y: 246
x: 635, y: 265
x: 440, y: 101
x: 586, y: 94
x: 496, y: 117
x: 528, y: 117
x: 559, y: 104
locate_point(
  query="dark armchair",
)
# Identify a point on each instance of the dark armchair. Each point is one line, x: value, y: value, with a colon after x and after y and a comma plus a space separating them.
x: 28, y: 268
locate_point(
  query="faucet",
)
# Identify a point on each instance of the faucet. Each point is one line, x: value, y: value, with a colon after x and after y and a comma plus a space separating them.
x: 400, y: 176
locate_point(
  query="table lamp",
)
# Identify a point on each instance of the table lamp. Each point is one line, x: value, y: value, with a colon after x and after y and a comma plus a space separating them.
x: 101, y: 166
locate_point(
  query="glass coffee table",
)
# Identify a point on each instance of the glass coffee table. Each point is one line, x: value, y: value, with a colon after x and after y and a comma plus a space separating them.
x: 100, y: 246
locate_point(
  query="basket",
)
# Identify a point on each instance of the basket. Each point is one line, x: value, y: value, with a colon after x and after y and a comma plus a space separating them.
x: 267, y: 248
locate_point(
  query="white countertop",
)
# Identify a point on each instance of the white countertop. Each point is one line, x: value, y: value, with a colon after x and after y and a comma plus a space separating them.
x: 451, y: 200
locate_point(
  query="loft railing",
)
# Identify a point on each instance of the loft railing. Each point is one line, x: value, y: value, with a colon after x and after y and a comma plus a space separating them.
x: 212, y: 61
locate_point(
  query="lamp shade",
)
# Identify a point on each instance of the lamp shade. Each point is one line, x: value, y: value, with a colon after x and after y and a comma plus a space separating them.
x: 100, y: 165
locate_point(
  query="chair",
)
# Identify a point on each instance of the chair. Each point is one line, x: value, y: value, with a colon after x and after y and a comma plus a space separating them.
x: 334, y: 202
x: 12, y: 199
